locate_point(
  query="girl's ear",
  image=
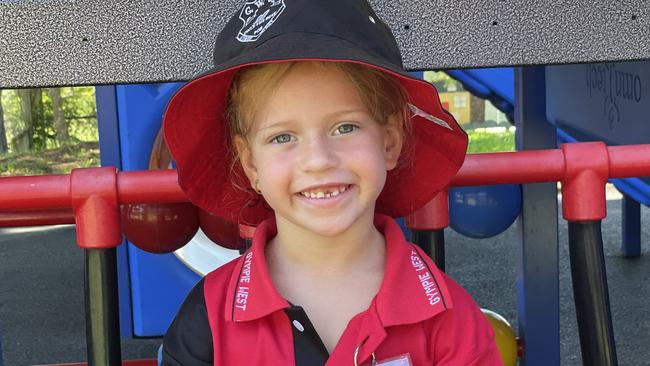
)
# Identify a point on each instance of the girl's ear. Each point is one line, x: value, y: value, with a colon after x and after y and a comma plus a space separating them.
x: 246, y: 159
x: 393, y: 140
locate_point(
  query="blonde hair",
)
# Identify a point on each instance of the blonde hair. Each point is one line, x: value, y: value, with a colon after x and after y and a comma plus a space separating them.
x: 381, y: 93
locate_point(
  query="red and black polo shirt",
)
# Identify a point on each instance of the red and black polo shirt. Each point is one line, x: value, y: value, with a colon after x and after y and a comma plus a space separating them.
x: 235, y: 316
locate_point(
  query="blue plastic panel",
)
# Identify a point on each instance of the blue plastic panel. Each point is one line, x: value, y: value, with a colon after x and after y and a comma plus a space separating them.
x: 111, y: 155
x: 158, y: 282
x: 538, y: 288
x: 602, y: 101
x: 631, y: 243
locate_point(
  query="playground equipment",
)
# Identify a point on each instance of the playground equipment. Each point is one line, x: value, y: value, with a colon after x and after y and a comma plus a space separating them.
x: 485, y: 211
x: 161, y: 227
x: 97, y: 46
x: 96, y: 194
x: 586, y: 102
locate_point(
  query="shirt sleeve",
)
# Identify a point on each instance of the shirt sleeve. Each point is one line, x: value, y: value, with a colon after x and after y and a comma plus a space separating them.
x: 465, y: 336
x: 189, y: 339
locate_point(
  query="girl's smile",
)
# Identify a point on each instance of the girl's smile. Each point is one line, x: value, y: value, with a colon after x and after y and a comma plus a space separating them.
x: 327, y: 196
x: 325, y: 191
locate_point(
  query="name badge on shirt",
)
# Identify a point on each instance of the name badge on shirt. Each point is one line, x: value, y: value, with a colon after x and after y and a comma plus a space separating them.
x: 402, y: 360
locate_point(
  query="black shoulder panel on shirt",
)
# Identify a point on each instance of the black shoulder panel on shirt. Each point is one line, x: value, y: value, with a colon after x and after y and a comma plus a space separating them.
x: 189, y: 339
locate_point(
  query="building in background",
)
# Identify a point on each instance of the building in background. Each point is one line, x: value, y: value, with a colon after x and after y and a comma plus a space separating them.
x: 468, y: 109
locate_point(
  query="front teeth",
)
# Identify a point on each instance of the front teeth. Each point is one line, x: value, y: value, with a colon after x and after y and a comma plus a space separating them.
x: 323, y: 194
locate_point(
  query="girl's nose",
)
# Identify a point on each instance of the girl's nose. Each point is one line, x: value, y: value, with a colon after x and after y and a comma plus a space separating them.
x: 318, y: 154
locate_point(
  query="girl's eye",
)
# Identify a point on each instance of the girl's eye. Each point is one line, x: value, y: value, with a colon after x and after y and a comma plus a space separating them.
x: 281, y: 139
x: 345, y: 128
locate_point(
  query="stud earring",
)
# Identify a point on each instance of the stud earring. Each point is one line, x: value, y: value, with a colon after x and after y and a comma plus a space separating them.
x: 256, y: 188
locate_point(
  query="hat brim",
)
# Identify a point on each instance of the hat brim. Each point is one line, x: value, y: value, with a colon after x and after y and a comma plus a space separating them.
x: 196, y: 132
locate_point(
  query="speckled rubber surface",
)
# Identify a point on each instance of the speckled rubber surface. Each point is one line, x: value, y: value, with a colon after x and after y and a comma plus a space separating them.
x: 63, y: 42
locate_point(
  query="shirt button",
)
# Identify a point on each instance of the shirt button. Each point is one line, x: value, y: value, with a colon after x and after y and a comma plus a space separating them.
x: 298, y: 326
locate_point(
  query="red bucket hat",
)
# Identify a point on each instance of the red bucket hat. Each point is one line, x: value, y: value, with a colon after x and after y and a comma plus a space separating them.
x: 263, y: 31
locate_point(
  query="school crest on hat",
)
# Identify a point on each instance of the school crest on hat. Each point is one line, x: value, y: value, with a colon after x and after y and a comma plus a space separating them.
x: 258, y: 16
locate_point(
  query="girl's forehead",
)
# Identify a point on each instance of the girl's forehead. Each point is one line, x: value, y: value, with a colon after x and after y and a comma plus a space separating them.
x: 315, y: 78
x: 310, y: 91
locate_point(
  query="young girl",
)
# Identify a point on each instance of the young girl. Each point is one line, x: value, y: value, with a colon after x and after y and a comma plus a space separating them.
x: 308, y: 105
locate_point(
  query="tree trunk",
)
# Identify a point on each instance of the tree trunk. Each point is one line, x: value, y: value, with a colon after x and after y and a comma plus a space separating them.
x: 39, y: 125
x: 23, y: 140
x: 477, y: 110
x: 3, y: 134
x: 59, y: 122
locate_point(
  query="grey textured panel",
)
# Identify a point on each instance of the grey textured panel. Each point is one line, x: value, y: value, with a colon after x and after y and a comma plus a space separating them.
x: 64, y: 42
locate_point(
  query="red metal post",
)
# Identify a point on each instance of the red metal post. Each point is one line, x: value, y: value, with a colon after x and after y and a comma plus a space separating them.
x: 95, y: 204
x: 583, y: 184
x: 433, y: 216
x: 427, y: 227
x: 94, y: 199
x: 583, y: 205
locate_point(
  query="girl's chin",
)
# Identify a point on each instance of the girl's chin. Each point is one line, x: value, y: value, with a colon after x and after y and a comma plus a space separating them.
x: 329, y: 227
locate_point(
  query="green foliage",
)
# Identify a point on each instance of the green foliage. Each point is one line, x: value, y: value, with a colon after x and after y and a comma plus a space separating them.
x: 11, y: 107
x: 44, y: 135
x: 484, y: 142
x: 59, y: 160
x: 48, y: 155
x: 79, y: 110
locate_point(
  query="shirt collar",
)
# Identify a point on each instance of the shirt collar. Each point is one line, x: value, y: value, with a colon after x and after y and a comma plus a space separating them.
x: 413, y: 289
x: 251, y: 292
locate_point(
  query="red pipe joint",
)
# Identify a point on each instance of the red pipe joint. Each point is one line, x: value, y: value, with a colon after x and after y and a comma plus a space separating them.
x: 95, y: 204
x: 583, y: 185
x: 433, y: 216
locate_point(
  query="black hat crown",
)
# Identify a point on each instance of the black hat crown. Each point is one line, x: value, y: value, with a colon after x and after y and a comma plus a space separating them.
x: 351, y: 21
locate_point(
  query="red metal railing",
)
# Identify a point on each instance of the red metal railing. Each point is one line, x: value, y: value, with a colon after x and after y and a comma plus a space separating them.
x: 36, y: 200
